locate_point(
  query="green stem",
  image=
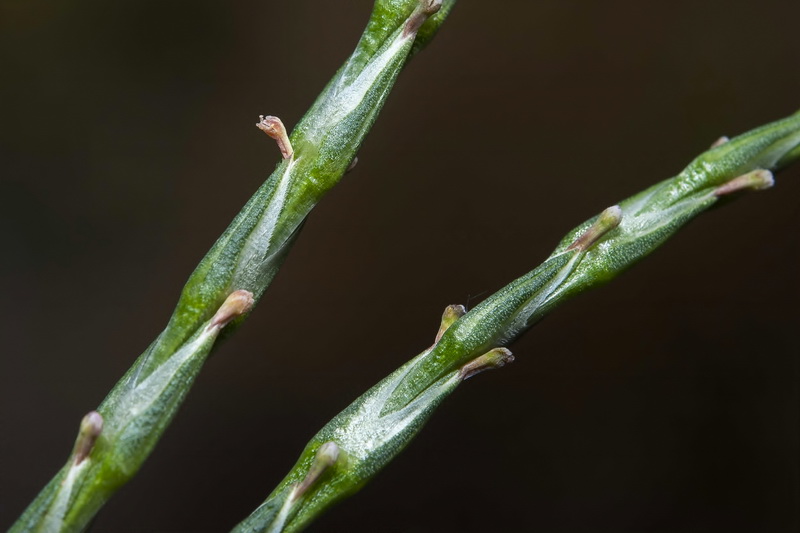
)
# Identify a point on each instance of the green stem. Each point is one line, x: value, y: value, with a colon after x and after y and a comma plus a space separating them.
x: 363, y: 438
x: 238, y: 268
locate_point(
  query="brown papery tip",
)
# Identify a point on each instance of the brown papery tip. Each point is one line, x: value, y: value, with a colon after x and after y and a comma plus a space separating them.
x: 450, y: 315
x: 420, y: 15
x: 496, y: 358
x: 719, y: 142
x: 236, y: 304
x: 273, y: 126
x: 607, y: 221
x: 326, y: 457
x: 754, y: 181
x: 91, y: 427
x: 352, y: 165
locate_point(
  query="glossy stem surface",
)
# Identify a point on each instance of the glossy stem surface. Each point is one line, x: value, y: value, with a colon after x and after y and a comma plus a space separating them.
x: 369, y: 433
x: 244, y: 260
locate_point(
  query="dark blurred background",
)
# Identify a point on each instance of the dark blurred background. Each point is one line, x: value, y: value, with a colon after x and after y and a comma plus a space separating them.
x: 665, y: 401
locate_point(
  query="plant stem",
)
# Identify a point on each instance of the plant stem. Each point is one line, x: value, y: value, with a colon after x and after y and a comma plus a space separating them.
x: 115, y: 440
x: 368, y: 434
